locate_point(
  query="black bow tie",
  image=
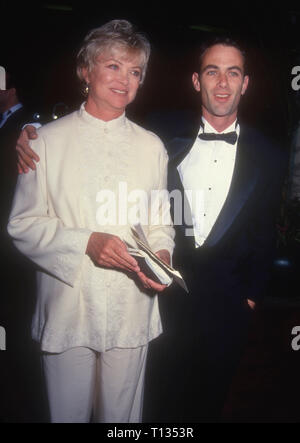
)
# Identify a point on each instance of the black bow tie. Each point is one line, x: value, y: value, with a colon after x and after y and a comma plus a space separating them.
x: 229, y: 137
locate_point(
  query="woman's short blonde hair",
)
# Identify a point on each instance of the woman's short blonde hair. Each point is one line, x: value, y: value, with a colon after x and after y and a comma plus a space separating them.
x: 118, y: 33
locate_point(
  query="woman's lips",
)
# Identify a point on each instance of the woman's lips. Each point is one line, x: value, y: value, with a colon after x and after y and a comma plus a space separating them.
x: 119, y: 91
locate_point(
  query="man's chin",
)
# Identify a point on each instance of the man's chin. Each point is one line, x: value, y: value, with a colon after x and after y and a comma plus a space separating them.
x: 222, y: 111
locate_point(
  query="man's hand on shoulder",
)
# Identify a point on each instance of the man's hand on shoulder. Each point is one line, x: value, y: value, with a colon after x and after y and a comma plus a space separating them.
x: 26, y: 156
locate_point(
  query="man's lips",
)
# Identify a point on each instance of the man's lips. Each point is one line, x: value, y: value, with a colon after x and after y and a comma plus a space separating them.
x: 222, y: 97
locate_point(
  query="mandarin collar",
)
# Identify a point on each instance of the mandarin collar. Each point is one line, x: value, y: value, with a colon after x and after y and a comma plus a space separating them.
x: 109, y: 126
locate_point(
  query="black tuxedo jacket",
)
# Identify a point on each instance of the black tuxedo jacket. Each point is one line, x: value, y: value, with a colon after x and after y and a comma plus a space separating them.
x: 234, y: 263
x: 206, y: 330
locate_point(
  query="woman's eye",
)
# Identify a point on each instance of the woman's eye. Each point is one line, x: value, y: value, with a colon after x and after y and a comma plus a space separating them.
x: 113, y: 66
x: 136, y: 73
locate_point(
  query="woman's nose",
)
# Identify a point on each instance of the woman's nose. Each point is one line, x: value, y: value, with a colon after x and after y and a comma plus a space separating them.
x: 124, y: 77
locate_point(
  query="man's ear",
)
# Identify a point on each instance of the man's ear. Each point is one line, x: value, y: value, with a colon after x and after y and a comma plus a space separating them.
x: 196, y: 82
x: 245, y: 84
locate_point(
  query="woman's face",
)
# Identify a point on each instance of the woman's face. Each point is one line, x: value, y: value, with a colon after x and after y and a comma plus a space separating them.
x: 113, y: 82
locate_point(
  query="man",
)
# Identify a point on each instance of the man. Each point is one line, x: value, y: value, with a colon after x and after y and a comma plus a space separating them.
x: 229, y: 177
x: 11, y: 109
x: 13, y: 115
x: 17, y: 273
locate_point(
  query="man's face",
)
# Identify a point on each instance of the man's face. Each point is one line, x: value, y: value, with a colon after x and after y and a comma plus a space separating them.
x: 221, y: 81
x: 4, y: 99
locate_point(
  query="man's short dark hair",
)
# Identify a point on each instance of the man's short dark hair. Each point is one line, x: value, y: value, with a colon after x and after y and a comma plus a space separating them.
x: 11, y: 81
x: 224, y: 40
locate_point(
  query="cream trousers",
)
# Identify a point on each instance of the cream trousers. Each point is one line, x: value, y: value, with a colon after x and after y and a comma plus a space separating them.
x: 84, y: 385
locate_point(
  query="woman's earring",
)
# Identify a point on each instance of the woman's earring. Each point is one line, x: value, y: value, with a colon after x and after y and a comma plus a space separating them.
x: 86, y: 89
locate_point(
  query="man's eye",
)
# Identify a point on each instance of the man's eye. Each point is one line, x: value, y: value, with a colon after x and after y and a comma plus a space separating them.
x: 113, y: 66
x: 233, y: 74
x: 211, y: 72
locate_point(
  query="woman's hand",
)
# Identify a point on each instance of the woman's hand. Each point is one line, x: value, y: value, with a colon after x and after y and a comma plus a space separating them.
x: 25, y: 154
x: 109, y: 251
x: 164, y: 255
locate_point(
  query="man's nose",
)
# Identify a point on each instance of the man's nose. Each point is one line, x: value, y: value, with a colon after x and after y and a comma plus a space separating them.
x: 223, y: 80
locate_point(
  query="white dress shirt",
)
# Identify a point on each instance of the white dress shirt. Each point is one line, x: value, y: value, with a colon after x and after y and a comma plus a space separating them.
x: 55, y: 210
x: 9, y: 112
x: 206, y: 174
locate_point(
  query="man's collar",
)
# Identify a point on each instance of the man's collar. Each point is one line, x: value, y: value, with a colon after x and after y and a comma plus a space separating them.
x: 13, y: 109
x: 206, y: 127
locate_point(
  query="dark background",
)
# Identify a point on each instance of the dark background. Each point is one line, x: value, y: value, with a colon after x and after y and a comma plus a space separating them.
x: 39, y: 42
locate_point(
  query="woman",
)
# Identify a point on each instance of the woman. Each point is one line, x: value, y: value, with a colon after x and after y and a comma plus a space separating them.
x: 93, y: 316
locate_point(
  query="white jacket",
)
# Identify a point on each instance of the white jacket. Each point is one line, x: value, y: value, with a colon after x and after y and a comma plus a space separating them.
x: 54, y: 212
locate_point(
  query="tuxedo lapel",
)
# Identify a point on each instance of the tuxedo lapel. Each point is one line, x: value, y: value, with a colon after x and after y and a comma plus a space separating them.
x: 181, y: 213
x: 244, y: 178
